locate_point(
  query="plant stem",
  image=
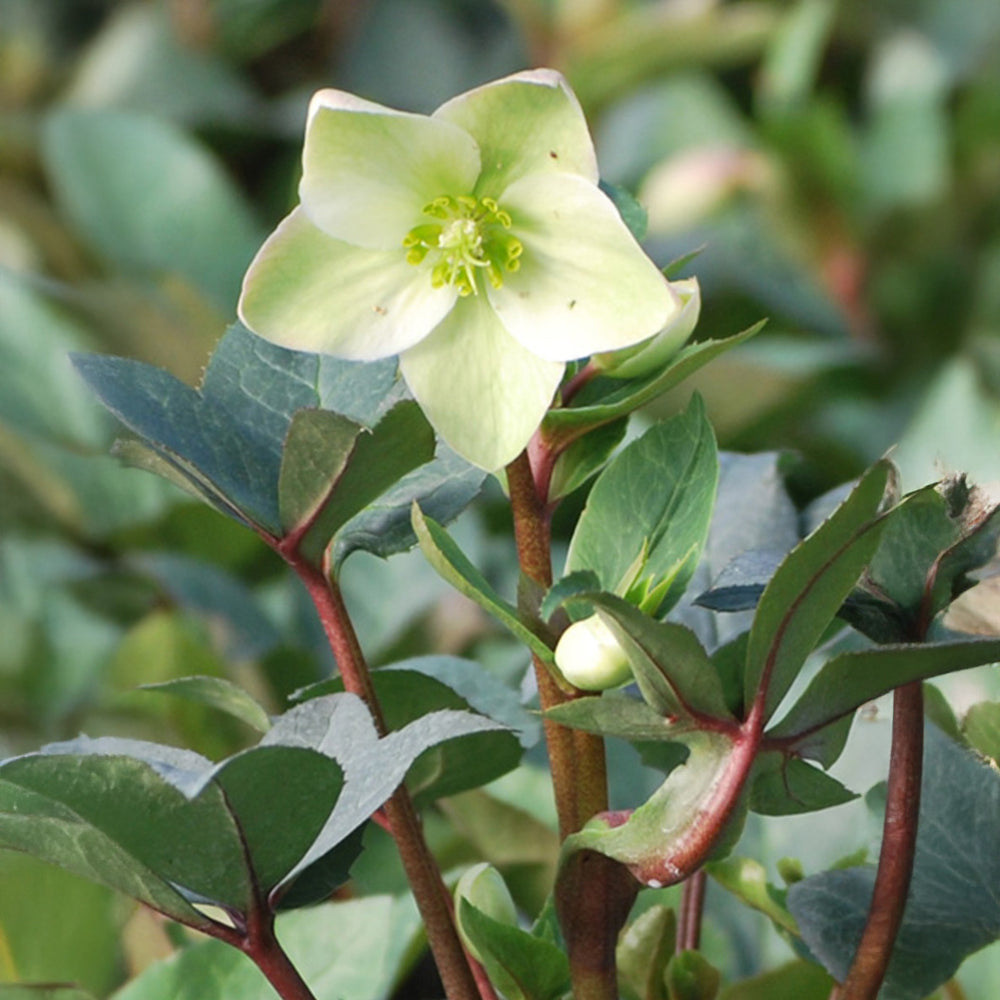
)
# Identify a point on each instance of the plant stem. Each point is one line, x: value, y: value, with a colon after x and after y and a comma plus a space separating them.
x: 692, y: 905
x: 899, y: 841
x: 421, y: 868
x: 579, y: 771
x: 263, y: 948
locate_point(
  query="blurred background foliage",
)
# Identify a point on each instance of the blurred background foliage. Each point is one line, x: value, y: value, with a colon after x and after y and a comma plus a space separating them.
x: 836, y: 163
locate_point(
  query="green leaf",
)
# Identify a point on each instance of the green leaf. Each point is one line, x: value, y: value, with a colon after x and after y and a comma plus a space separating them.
x: 981, y: 727
x: 632, y: 213
x: 746, y: 879
x: 801, y: 980
x: 219, y: 693
x: 411, y: 689
x: 674, y: 673
x: 690, y: 976
x: 851, y: 679
x: 653, y: 504
x: 442, y: 487
x: 615, y: 714
x: 952, y: 909
x: 809, y: 587
x: 664, y: 840
x: 564, y: 425
x: 452, y: 566
x: 150, y: 199
x: 370, y: 464
x: 584, y: 458
x: 644, y: 949
x: 28, y: 992
x: 521, y: 965
x: 785, y: 786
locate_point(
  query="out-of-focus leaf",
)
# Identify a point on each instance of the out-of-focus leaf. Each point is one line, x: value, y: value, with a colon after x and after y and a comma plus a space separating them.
x: 644, y: 949
x: 28, y: 992
x: 802, y: 980
x: 219, y: 693
x: 746, y: 879
x: 150, y: 199
x: 981, y: 727
x: 690, y: 976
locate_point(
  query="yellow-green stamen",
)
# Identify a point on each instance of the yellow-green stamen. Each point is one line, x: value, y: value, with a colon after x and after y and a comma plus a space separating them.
x: 470, y: 235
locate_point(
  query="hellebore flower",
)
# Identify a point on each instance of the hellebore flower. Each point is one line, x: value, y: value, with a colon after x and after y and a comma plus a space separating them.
x: 589, y: 657
x: 474, y: 243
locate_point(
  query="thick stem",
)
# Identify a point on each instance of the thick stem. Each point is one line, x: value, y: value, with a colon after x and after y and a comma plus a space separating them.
x: 421, y: 868
x: 692, y: 906
x: 899, y: 842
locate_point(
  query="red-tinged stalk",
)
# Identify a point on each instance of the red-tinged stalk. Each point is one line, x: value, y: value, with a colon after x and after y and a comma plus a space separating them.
x: 262, y: 947
x: 419, y: 863
x: 899, y: 844
x: 689, y: 917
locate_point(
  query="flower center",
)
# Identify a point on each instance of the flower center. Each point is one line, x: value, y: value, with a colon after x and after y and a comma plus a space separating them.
x: 469, y: 236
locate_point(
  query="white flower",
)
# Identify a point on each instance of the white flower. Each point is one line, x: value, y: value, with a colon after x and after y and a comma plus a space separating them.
x: 474, y: 243
x: 590, y: 658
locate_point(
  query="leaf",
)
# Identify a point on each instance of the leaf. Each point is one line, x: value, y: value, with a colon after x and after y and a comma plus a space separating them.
x: 219, y: 693
x: 226, y: 439
x: 615, y: 714
x: 578, y: 584
x: 373, y: 462
x: 584, y: 458
x: 26, y: 991
x: 674, y: 673
x: 644, y: 949
x: 520, y: 964
x: 150, y: 199
x: 452, y: 566
x: 690, y: 976
x: 809, y: 587
x: 665, y: 839
x: 981, y: 727
x: 564, y: 425
x: 653, y: 503
x: 746, y: 879
x: 850, y: 680
x: 952, y: 908
x: 785, y: 786
x: 414, y: 688
x: 443, y: 488
x: 801, y: 980
x: 632, y: 213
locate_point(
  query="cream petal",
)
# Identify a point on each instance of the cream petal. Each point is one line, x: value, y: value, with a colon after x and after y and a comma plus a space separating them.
x: 584, y: 283
x: 369, y: 171
x: 309, y: 292
x: 483, y: 392
x: 526, y: 123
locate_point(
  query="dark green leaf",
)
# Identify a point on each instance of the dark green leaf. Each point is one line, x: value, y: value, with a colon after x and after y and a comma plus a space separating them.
x: 582, y: 582
x: 530, y: 967
x: 952, y: 908
x: 849, y: 680
x: 809, y: 587
x: 218, y: 693
x: 632, y: 213
x: 453, y: 566
x: 443, y: 488
x: 585, y: 457
x: 647, y: 516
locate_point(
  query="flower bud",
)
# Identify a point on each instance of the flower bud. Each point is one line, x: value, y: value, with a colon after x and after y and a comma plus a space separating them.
x: 648, y: 356
x: 483, y: 886
x: 589, y: 657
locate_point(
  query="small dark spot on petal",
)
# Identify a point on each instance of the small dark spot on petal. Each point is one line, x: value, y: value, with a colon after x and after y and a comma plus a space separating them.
x: 571, y: 303
x: 553, y: 154
x: 380, y: 310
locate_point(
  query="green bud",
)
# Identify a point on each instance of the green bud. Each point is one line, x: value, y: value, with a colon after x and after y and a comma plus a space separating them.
x: 652, y: 354
x: 589, y: 657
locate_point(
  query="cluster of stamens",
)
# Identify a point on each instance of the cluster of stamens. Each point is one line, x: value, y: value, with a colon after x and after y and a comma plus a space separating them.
x: 470, y: 236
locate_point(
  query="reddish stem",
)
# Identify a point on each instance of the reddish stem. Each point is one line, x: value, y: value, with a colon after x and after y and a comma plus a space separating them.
x: 899, y: 842
x: 261, y: 945
x: 692, y: 906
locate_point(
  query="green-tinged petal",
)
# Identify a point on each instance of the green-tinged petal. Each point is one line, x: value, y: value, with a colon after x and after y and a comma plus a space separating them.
x: 369, y: 171
x: 484, y: 393
x: 309, y: 292
x: 584, y: 284
x: 527, y: 123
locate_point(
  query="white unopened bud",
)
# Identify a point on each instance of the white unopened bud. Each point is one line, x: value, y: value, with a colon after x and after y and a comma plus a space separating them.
x: 589, y: 657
